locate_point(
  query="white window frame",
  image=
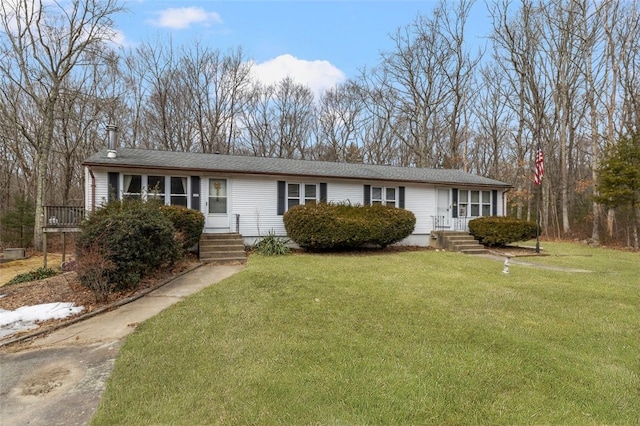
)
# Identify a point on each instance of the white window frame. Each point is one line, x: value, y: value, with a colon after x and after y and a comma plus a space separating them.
x: 466, y: 204
x: 302, y: 194
x: 384, y: 198
x: 147, y: 193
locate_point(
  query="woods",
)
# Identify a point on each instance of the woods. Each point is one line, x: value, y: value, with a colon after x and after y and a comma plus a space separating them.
x: 559, y: 73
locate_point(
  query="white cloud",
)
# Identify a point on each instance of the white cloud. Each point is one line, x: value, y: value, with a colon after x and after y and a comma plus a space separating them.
x: 317, y: 75
x: 184, y: 17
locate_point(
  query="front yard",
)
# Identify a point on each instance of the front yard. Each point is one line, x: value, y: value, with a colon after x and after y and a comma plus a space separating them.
x: 406, y: 338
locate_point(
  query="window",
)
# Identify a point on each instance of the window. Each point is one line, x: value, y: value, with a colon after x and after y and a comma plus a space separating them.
x: 179, y: 191
x: 463, y: 203
x: 310, y: 194
x: 474, y: 203
x: 155, y: 188
x: 295, y: 194
x: 132, y: 188
x: 166, y: 189
x: 218, y: 196
x: 486, y: 203
x: 383, y: 195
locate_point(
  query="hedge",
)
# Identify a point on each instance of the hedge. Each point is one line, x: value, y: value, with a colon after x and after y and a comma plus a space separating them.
x: 328, y: 226
x: 499, y: 231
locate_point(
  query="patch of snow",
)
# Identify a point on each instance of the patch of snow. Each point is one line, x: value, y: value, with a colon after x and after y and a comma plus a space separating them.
x: 26, y: 317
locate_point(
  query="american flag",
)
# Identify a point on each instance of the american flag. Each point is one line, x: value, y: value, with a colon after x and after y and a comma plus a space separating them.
x: 537, y: 177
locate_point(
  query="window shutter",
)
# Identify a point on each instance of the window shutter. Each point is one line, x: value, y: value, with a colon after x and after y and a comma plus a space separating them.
x: 494, y: 202
x: 281, y: 196
x: 454, y: 202
x: 367, y: 195
x: 323, y: 192
x: 195, y: 192
x: 113, y: 189
x: 401, y: 197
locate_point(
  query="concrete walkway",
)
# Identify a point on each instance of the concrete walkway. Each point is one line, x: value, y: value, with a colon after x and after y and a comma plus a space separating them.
x: 59, y: 379
x: 514, y: 261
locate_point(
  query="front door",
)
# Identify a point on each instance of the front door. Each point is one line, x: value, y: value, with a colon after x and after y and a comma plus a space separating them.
x: 443, y: 208
x: 218, y: 205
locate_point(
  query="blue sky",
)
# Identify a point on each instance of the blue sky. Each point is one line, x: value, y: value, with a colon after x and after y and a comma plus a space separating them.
x: 319, y: 43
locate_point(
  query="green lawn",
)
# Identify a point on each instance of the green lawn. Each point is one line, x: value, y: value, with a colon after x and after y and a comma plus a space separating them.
x: 392, y: 339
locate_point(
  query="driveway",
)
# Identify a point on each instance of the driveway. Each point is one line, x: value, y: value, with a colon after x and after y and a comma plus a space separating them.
x: 59, y: 379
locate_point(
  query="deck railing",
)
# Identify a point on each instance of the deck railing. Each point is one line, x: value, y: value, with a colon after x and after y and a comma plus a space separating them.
x: 63, y: 216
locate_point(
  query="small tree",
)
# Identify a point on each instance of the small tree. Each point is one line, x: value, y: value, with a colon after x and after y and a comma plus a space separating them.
x: 17, y: 223
x: 619, y: 179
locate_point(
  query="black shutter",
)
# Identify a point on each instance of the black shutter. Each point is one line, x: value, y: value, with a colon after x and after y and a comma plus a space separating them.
x: 401, y: 197
x: 282, y: 189
x: 367, y: 195
x: 494, y: 202
x: 323, y: 192
x: 113, y: 189
x: 195, y: 192
x: 454, y: 202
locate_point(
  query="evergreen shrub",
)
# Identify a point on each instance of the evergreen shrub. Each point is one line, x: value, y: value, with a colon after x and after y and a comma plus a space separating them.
x: 137, y: 237
x: 323, y: 226
x: 188, y: 224
x: 499, y: 231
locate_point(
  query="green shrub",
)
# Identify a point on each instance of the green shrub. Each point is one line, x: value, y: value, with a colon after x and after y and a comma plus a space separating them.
x: 344, y: 226
x: 137, y: 237
x: 271, y: 245
x: 188, y: 224
x: 498, y: 231
x: 37, y: 274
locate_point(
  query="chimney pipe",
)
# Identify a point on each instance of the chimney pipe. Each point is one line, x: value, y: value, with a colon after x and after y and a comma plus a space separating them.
x: 112, y: 135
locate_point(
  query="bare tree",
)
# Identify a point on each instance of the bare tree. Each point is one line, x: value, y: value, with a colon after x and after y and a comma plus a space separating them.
x: 43, y: 43
x: 338, y: 124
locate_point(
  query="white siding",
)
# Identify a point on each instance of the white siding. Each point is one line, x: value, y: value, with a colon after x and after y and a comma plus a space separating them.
x: 345, y: 192
x: 256, y: 201
x: 101, y: 189
x: 421, y: 201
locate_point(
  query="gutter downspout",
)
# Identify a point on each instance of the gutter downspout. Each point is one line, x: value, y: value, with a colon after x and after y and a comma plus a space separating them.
x: 93, y: 190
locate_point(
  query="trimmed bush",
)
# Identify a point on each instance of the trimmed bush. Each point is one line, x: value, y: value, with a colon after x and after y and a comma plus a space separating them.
x: 499, y: 231
x: 137, y: 237
x: 342, y: 226
x: 188, y: 224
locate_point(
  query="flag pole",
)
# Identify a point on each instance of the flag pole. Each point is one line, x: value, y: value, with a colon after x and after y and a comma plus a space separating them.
x: 537, y: 181
x: 538, y: 218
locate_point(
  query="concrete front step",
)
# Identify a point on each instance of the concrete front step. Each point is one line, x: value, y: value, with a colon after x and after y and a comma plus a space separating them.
x: 459, y: 241
x: 222, y: 248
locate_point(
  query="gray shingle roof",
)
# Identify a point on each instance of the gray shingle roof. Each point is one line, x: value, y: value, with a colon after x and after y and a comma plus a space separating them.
x: 198, y: 162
